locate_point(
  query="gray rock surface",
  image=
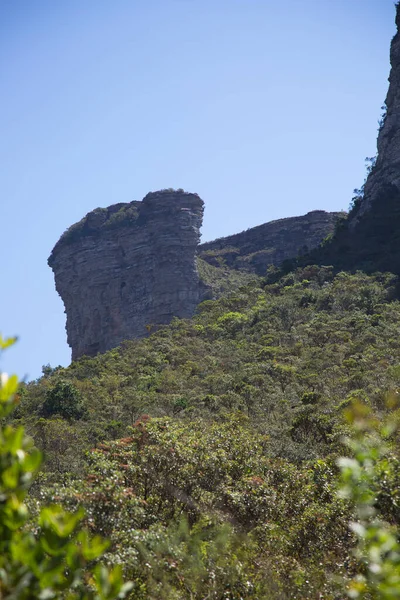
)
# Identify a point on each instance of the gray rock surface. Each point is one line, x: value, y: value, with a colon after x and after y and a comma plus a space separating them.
x: 386, y: 171
x: 127, y: 267
x: 271, y: 243
x: 123, y: 270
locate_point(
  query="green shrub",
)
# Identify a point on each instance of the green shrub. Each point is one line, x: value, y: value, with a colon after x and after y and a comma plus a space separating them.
x: 363, y: 479
x: 63, y: 399
x: 50, y: 557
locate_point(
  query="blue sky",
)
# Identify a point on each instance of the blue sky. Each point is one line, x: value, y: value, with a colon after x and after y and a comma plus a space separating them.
x: 265, y: 108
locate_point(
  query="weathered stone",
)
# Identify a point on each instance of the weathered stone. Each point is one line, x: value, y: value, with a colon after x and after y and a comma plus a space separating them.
x: 370, y: 239
x: 126, y: 267
x: 271, y: 243
x: 386, y: 171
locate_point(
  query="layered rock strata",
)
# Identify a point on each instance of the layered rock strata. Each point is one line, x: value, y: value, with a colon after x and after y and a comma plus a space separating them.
x: 127, y: 267
x: 123, y: 270
x: 271, y: 243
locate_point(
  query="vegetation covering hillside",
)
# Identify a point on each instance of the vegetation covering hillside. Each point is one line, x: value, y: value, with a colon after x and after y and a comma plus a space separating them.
x: 207, y: 452
x: 221, y: 280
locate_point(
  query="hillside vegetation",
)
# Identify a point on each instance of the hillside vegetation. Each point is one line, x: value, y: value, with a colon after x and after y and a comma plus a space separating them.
x: 207, y: 452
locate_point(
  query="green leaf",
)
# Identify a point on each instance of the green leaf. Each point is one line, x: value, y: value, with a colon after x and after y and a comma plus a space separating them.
x: 6, y: 342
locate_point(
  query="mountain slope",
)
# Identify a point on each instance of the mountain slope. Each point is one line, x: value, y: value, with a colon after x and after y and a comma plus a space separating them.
x: 222, y: 476
x: 271, y: 350
x: 257, y: 248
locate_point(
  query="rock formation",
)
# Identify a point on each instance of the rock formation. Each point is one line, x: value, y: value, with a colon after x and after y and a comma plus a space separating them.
x: 370, y: 239
x: 130, y: 266
x: 386, y: 171
x: 271, y: 243
x: 126, y: 267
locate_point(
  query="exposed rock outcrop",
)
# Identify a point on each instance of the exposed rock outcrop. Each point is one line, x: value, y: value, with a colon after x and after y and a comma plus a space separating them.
x: 271, y: 243
x: 125, y: 267
x: 386, y: 171
x: 370, y: 239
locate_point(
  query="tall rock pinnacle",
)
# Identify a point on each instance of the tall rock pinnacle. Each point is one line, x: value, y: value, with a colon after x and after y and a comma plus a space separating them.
x: 386, y: 171
x: 370, y: 239
x: 126, y: 267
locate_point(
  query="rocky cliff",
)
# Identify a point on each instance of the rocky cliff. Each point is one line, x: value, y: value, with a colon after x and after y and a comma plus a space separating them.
x: 271, y: 243
x: 386, y: 170
x: 132, y: 265
x: 127, y: 266
x: 370, y: 239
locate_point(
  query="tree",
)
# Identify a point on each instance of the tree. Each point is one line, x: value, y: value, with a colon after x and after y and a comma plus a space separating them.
x: 63, y: 399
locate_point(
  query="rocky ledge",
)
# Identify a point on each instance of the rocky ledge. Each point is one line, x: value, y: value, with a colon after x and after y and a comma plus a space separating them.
x: 127, y: 267
x: 256, y: 248
x: 385, y: 168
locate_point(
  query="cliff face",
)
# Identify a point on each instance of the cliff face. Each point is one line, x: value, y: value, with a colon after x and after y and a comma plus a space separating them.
x: 386, y: 171
x: 370, y: 239
x: 123, y: 268
x: 126, y: 267
x: 271, y: 243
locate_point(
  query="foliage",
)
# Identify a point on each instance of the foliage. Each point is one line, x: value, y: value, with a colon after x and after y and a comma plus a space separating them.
x: 208, y: 451
x: 378, y: 546
x: 222, y: 279
x: 370, y: 162
x: 48, y: 558
x: 260, y: 350
x: 63, y: 399
x: 197, y: 508
x: 99, y: 219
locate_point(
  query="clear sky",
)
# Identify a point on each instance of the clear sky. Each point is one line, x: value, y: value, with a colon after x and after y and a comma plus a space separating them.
x: 266, y: 108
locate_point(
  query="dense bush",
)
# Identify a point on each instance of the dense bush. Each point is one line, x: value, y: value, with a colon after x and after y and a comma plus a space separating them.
x: 49, y: 557
x: 63, y: 399
x: 286, y: 354
x: 207, y: 453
